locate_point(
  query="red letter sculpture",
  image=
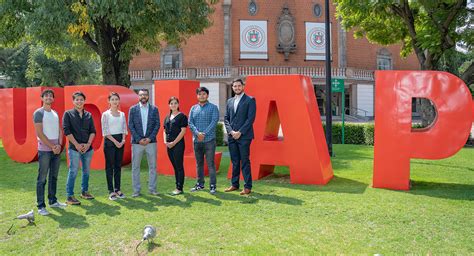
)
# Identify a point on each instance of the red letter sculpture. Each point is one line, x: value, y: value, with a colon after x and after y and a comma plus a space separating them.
x: 396, y: 142
x: 96, y: 103
x: 19, y: 136
x: 185, y: 91
x: 288, y: 99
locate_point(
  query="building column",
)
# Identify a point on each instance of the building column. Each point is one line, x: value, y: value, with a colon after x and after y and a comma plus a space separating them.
x: 342, y: 53
x: 227, y: 6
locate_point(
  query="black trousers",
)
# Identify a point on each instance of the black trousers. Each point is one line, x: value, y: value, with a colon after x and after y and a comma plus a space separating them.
x: 176, y: 155
x: 239, y: 155
x: 113, y: 163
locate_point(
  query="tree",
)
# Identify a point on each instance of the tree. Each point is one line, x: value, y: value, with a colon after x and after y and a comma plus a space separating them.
x: 429, y: 28
x: 27, y: 65
x: 114, y: 30
x: 13, y: 64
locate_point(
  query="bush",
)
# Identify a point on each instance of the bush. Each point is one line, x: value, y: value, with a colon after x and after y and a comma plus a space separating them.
x: 220, y: 134
x: 361, y: 134
x: 369, y: 134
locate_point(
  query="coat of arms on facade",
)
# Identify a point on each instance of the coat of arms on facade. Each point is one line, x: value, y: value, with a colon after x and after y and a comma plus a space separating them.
x: 254, y: 36
x: 286, y: 33
x: 317, y: 39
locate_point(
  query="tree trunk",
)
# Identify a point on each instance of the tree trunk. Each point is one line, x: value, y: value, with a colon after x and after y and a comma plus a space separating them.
x: 428, y: 111
x: 114, y: 70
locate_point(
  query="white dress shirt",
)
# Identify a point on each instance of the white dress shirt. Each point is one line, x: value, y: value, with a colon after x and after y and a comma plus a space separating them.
x: 237, y: 99
x: 144, y: 113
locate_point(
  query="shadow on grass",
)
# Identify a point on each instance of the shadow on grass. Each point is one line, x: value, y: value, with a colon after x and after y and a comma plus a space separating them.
x: 443, y: 165
x: 443, y: 190
x: 190, y: 198
x: 149, y: 247
x: 97, y: 208
x: 254, y: 197
x: 68, y: 219
x: 150, y: 203
x: 143, y: 202
x: 336, y: 184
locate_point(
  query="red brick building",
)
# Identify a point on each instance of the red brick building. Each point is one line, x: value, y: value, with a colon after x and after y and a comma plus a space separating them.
x: 216, y: 57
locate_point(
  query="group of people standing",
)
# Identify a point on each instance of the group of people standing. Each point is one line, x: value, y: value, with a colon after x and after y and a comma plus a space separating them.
x: 143, y: 123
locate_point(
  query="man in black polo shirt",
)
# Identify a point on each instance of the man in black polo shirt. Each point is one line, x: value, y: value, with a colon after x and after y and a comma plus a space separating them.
x: 80, y: 131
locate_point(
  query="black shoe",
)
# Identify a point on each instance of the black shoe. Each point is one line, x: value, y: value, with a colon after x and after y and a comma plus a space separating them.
x: 212, y: 189
x: 197, y: 187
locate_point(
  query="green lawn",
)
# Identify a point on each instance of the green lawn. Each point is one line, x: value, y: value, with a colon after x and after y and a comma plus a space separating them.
x: 346, y: 216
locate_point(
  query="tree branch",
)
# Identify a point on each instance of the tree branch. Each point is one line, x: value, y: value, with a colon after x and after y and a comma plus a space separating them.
x: 468, y: 75
x: 407, y: 16
x: 454, y: 12
x: 89, y: 41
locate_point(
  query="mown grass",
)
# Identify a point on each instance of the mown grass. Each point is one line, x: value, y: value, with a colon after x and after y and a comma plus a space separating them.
x: 346, y: 216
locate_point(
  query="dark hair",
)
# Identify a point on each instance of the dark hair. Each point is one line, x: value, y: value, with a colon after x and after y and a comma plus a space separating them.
x: 170, y: 100
x: 77, y: 94
x: 238, y: 80
x: 202, y: 89
x: 48, y: 91
x: 113, y: 94
x: 144, y: 90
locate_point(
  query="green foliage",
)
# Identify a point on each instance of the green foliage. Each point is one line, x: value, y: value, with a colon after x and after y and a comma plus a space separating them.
x: 361, y: 134
x: 114, y: 30
x: 220, y: 134
x: 421, y: 25
x: 28, y: 65
x: 13, y: 64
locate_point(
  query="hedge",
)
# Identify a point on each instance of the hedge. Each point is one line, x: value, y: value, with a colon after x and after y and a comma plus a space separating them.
x: 220, y: 134
x: 362, y: 134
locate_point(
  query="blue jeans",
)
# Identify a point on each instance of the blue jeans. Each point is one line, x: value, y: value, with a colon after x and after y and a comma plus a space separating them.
x: 74, y: 159
x: 208, y: 150
x: 48, y: 163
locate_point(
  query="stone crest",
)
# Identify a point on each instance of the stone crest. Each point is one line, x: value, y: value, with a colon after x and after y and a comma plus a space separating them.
x: 286, y: 33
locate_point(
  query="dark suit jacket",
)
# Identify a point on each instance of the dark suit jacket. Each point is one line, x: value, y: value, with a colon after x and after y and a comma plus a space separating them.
x: 241, y: 120
x: 136, y: 126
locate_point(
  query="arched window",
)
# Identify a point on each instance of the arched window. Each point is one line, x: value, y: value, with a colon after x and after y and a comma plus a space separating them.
x: 384, y: 59
x: 171, y: 57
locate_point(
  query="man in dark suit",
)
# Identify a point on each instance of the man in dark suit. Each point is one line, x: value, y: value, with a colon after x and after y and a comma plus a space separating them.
x: 238, y: 120
x: 144, y: 123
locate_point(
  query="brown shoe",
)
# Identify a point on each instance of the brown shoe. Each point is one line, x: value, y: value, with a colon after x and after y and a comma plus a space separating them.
x: 231, y: 188
x: 72, y: 200
x: 86, y: 195
x: 246, y: 191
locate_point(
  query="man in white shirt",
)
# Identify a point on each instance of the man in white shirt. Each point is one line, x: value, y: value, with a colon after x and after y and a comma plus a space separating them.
x: 49, y: 136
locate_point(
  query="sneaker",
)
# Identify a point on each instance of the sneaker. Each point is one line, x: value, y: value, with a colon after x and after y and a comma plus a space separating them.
x: 176, y: 192
x: 113, y: 196
x: 58, y: 205
x: 136, y: 194
x: 212, y: 190
x: 86, y: 195
x: 43, y: 211
x: 154, y: 193
x: 196, y: 188
x: 72, y: 200
x: 120, y: 194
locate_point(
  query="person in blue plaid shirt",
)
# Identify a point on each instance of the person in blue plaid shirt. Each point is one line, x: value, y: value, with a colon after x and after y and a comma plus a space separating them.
x: 203, y: 119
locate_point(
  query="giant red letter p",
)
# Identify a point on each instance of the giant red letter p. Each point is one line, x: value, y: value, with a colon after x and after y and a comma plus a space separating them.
x: 395, y: 141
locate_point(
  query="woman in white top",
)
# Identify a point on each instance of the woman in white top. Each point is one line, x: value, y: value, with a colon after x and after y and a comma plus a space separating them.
x: 114, y: 130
